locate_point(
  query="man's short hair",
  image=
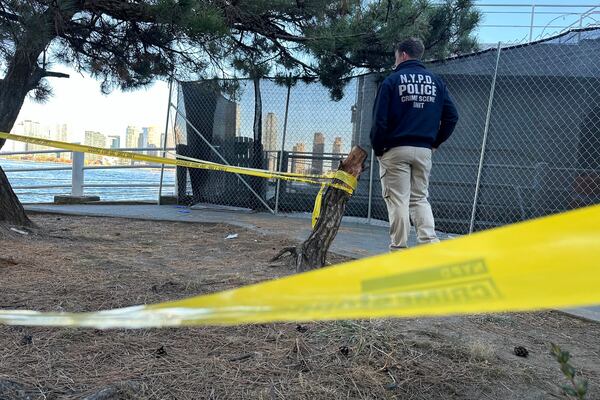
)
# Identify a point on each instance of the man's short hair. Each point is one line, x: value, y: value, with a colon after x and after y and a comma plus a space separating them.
x: 412, y: 46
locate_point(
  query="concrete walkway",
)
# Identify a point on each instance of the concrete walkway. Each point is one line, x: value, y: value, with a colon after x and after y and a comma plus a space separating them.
x: 354, y: 239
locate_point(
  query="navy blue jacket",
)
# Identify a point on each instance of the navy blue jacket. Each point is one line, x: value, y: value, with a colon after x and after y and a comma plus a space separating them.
x: 413, y: 108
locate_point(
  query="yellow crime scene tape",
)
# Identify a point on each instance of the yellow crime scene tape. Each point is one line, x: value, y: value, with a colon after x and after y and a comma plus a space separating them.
x: 552, y: 262
x: 347, y: 182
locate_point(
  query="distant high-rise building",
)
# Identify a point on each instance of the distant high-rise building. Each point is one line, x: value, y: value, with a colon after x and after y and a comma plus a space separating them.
x: 318, y: 151
x: 114, y: 141
x: 336, y: 149
x: 238, y: 120
x: 131, y: 137
x: 299, y: 164
x: 337, y: 145
x: 32, y: 129
x: 13, y: 145
x: 270, y: 136
x: 150, y: 137
x: 270, y: 140
x: 153, y: 135
x: 142, y: 139
x: 170, y: 140
x: 61, y: 133
x: 95, y: 139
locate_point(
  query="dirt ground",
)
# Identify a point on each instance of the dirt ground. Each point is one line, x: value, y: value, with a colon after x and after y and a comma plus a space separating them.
x: 85, y: 264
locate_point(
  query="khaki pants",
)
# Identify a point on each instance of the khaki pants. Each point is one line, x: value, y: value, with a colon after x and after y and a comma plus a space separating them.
x: 404, y: 173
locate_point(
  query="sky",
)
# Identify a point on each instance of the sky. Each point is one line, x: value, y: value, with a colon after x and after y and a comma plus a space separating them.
x: 550, y: 17
x: 78, y: 102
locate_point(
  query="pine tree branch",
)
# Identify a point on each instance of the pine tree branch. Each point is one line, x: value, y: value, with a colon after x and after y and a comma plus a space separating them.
x: 118, y: 9
x: 9, y: 16
x: 54, y: 74
x: 41, y: 73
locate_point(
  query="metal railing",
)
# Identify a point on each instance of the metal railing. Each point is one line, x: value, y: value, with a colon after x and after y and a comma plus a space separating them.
x: 78, y: 168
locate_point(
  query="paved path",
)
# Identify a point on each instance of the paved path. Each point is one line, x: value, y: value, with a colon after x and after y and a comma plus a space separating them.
x: 354, y: 239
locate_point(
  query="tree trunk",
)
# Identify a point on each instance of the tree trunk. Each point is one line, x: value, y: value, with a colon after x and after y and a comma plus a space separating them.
x: 257, y: 184
x: 22, y: 75
x: 313, y: 252
x: 11, y: 210
x: 13, y: 90
x: 257, y: 126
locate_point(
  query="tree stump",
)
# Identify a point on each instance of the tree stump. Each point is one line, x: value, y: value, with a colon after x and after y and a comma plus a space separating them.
x: 312, y: 253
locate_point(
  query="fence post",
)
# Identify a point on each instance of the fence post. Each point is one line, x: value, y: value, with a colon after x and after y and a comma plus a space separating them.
x: 484, y: 141
x: 370, y: 204
x: 285, y: 121
x: 77, y: 174
x: 164, y: 152
x: 532, y: 20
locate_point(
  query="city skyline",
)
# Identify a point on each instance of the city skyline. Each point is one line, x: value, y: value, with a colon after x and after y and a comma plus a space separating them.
x: 61, y: 132
x: 300, y: 165
x: 133, y: 137
x: 36, y: 129
x: 299, y: 128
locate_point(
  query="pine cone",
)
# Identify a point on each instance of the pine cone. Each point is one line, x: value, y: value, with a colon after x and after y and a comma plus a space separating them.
x: 160, y: 352
x: 26, y: 339
x: 521, y: 351
x: 344, y: 350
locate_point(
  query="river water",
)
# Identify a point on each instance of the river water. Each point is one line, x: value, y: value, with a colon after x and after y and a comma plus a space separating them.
x: 102, y: 176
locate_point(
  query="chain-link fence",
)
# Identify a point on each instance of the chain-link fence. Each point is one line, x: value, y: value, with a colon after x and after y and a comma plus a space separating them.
x: 527, y: 143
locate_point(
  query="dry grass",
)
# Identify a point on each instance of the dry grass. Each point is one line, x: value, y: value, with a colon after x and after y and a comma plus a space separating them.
x: 80, y: 264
